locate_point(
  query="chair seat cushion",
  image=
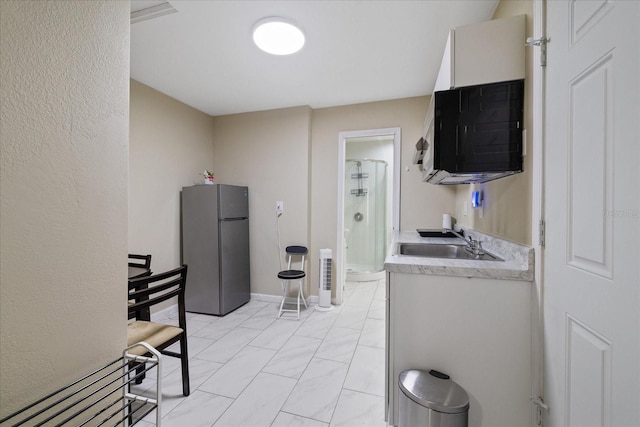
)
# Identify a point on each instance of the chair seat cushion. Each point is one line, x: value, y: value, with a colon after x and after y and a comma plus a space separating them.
x: 152, y: 333
x: 291, y: 274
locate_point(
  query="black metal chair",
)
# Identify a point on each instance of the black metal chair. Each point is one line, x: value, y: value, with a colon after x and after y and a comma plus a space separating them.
x: 286, y: 276
x: 140, y: 266
x: 148, y: 291
x: 140, y: 261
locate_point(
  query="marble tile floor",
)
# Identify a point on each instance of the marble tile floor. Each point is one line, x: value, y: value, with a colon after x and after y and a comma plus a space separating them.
x: 250, y: 369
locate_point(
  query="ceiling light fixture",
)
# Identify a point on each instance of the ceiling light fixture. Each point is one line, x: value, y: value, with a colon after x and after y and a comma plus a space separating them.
x: 278, y: 36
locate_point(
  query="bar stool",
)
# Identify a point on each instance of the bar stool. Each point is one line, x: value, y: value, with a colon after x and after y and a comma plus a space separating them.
x: 288, y: 275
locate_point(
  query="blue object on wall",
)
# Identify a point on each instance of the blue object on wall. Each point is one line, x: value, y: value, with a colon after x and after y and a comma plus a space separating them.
x: 476, y: 199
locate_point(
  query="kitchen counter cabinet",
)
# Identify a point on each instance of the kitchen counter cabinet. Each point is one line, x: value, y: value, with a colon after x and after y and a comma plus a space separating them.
x: 518, y: 259
x: 477, y: 330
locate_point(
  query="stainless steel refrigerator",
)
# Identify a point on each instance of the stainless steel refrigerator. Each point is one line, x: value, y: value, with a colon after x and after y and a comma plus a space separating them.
x: 215, y: 246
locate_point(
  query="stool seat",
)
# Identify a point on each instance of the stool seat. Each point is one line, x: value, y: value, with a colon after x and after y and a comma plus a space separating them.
x: 297, y: 250
x: 291, y: 274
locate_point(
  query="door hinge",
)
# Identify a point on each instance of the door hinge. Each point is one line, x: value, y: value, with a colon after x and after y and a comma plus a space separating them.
x: 542, y: 42
x: 541, y: 232
x: 540, y: 405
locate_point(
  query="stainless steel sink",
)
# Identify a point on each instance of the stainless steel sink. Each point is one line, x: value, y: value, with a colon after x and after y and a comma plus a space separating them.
x: 435, y: 250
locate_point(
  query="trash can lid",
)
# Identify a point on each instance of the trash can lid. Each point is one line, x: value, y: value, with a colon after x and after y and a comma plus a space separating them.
x: 434, y: 390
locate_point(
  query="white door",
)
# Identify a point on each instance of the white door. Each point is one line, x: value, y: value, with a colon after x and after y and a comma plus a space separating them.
x: 592, y: 188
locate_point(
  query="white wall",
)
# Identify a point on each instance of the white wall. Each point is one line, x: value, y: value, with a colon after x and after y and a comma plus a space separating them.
x: 171, y: 145
x: 508, y: 201
x: 421, y: 204
x: 64, y: 83
x: 268, y: 151
x: 292, y: 155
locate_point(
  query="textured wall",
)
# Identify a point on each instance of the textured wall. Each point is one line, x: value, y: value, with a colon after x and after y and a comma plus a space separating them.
x: 171, y: 144
x: 269, y: 152
x: 421, y: 204
x: 508, y: 206
x: 289, y: 154
x: 63, y: 199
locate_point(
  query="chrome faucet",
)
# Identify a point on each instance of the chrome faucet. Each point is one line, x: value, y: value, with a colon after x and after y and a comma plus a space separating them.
x: 473, y: 246
x: 451, y: 230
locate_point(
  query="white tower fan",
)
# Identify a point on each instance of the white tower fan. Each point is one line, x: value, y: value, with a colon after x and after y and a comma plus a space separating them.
x: 324, y: 285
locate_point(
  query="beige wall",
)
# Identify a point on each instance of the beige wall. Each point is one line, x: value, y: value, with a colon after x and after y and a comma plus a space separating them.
x: 421, y: 204
x: 64, y: 71
x: 292, y: 155
x: 171, y: 145
x: 507, y: 211
x: 268, y: 152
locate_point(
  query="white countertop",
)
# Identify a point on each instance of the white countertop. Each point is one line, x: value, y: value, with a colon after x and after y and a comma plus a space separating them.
x: 518, y: 259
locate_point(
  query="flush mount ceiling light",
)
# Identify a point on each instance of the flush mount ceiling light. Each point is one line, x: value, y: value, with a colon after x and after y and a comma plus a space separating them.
x: 278, y: 36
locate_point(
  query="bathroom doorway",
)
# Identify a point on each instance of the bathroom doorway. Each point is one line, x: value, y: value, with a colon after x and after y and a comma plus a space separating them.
x: 365, y: 216
x: 368, y: 203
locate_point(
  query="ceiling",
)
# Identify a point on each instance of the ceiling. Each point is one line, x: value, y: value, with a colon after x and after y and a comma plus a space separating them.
x: 356, y: 51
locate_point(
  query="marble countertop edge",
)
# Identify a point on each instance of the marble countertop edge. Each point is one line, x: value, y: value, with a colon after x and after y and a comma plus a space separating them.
x: 518, y: 259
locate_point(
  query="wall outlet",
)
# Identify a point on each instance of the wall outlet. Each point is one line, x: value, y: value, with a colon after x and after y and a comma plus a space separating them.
x: 279, y: 208
x: 465, y: 209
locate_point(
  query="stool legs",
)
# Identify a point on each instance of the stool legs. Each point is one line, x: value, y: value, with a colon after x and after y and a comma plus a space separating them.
x: 285, y: 291
x: 285, y: 288
x: 301, y: 293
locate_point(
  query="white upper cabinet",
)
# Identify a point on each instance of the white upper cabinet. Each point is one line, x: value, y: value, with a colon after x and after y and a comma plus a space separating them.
x: 486, y: 52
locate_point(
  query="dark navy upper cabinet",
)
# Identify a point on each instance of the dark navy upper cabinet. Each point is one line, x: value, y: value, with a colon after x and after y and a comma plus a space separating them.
x: 478, y: 133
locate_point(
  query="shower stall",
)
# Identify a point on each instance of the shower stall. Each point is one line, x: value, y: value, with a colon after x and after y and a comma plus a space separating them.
x: 365, y: 220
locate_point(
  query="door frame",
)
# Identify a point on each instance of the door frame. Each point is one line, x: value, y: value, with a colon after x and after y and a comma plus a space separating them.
x: 537, y: 214
x: 395, y: 221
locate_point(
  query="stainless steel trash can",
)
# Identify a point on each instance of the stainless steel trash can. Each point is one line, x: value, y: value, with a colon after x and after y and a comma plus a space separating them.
x: 431, y: 399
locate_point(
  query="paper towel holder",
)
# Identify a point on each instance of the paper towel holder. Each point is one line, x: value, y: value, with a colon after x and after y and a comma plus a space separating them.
x: 446, y: 221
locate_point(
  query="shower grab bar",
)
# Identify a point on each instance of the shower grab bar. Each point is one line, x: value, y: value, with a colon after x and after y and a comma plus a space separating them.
x: 359, y: 175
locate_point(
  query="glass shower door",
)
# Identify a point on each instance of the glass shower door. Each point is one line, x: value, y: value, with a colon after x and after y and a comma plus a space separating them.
x: 365, y: 215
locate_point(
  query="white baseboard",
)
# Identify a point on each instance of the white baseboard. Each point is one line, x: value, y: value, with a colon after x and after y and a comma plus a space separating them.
x: 171, y: 312
x: 313, y: 299
x: 365, y: 277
